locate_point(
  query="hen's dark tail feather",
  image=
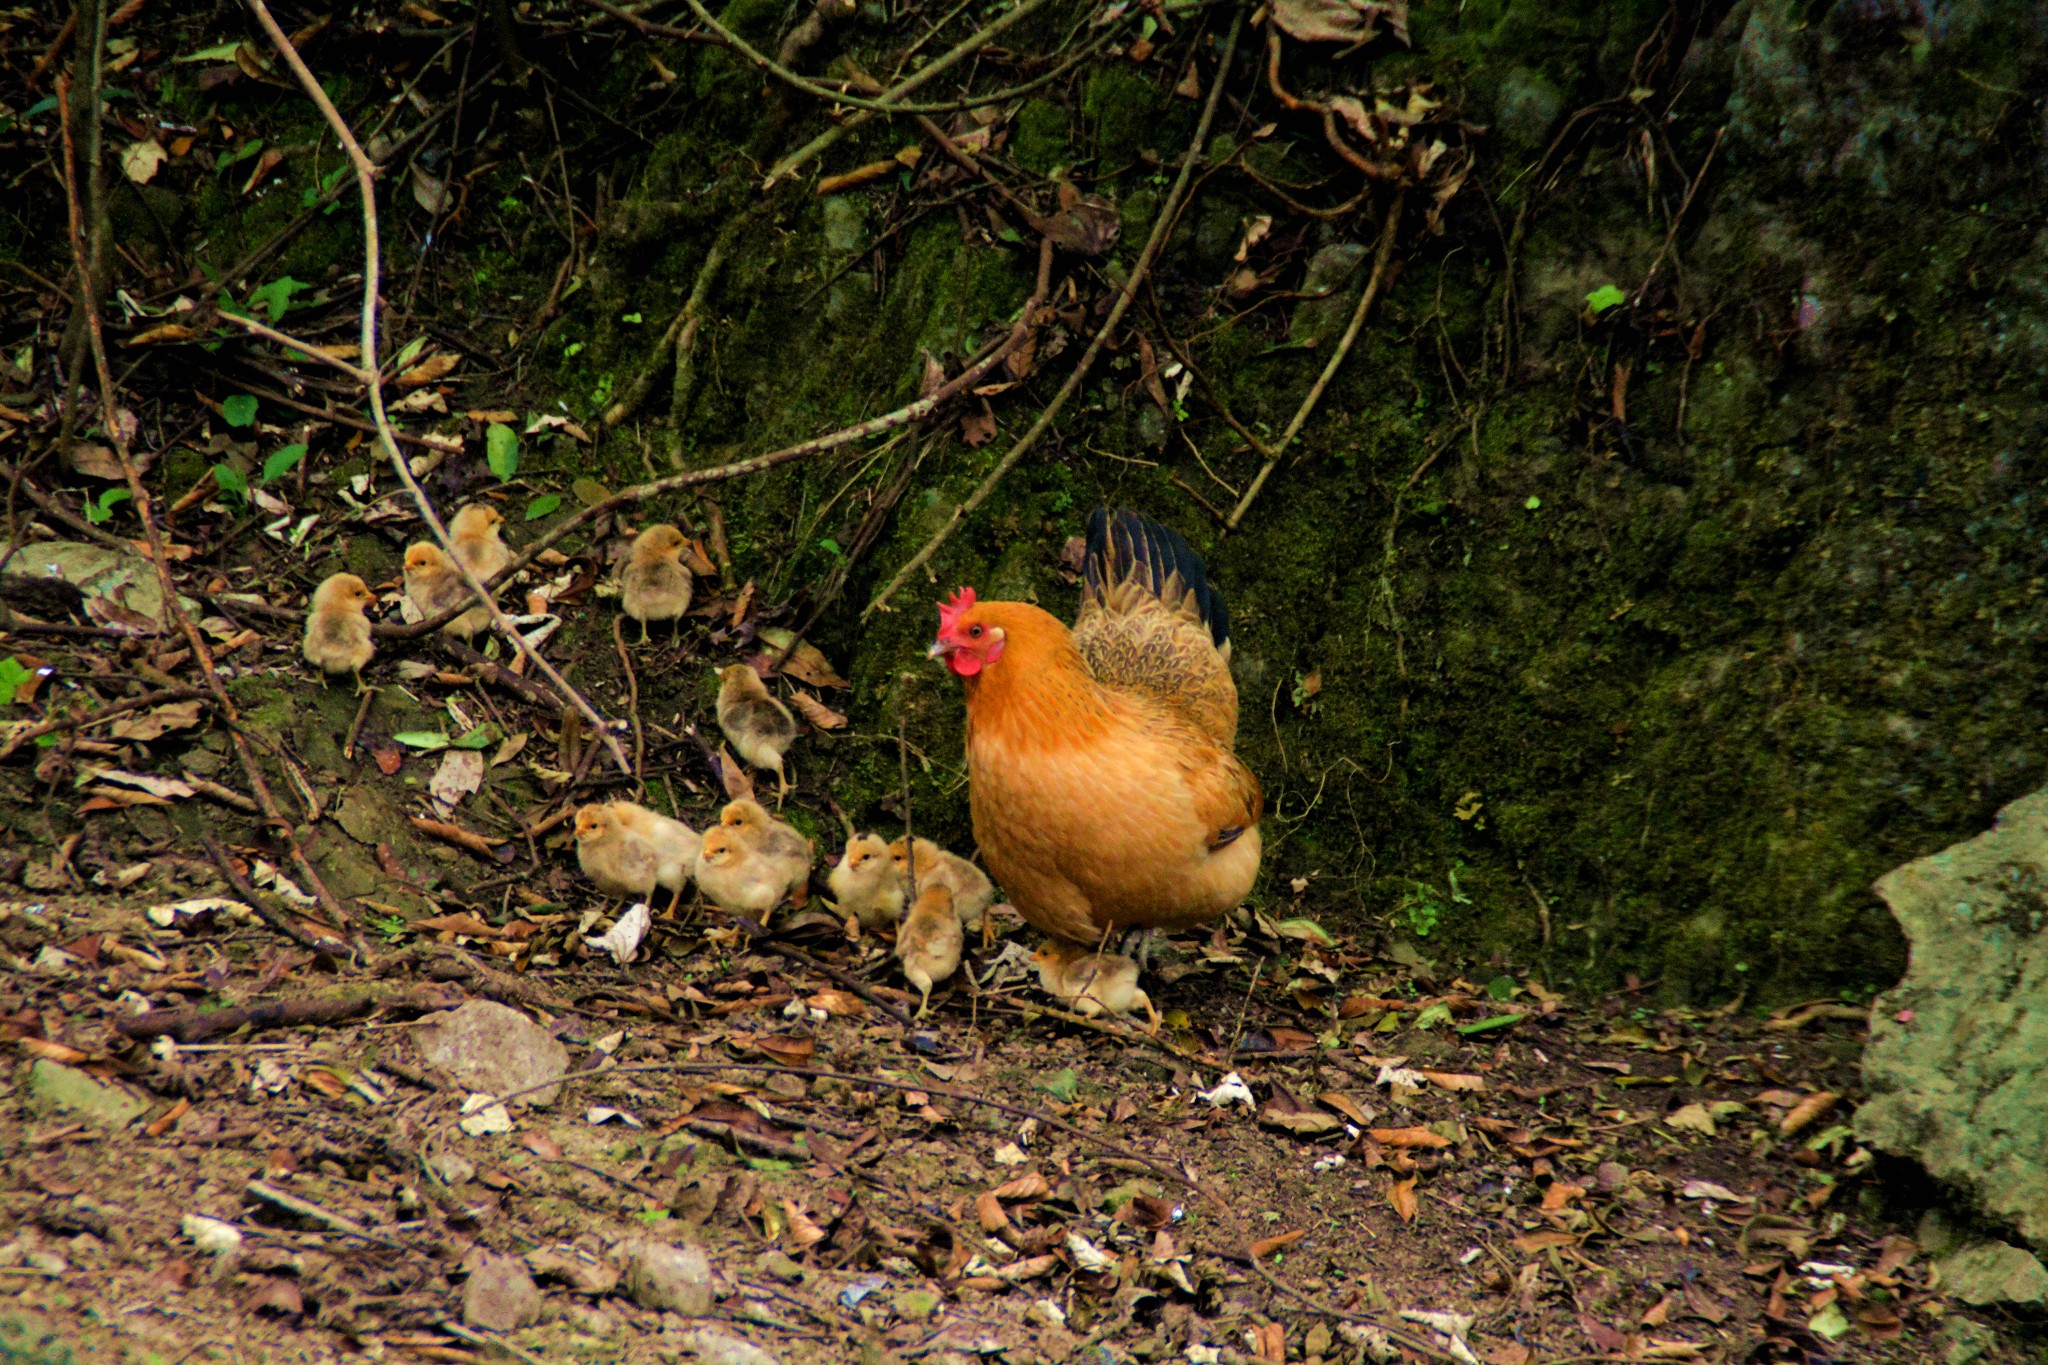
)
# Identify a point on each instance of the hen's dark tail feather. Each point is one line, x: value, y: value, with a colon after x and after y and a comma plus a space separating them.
x: 1122, y: 544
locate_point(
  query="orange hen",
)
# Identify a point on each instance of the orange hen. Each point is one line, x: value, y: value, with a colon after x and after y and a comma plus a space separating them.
x: 1105, y: 791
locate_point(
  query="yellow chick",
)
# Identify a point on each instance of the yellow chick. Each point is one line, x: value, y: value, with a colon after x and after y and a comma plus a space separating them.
x: 618, y: 863
x: 337, y: 632
x: 673, y: 843
x: 474, y: 534
x: 434, y: 584
x: 973, y: 893
x: 866, y: 884
x: 928, y: 943
x: 759, y: 726
x: 1091, y: 983
x: 764, y: 833
x: 741, y: 878
x: 655, y: 584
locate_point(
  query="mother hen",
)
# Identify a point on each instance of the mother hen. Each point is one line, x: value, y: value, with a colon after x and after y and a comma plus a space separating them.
x: 1105, y: 792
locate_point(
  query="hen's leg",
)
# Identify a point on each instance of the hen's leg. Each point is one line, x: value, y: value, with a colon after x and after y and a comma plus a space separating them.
x: 1137, y: 945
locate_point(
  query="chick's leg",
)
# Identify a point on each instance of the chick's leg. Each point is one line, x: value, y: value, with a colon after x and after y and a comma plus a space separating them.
x: 361, y: 686
x: 643, y: 630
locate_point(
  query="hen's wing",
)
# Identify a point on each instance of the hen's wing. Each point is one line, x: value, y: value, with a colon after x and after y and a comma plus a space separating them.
x: 1151, y: 621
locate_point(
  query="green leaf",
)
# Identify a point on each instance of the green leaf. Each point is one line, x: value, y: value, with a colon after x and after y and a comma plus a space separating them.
x: 770, y: 1164
x: 544, y: 505
x: 408, y: 355
x: 1604, y: 298
x: 590, y: 492
x: 427, y: 740
x: 1533, y: 503
x: 1501, y: 988
x: 630, y: 317
x: 102, y: 511
x: 1490, y: 1023
x: 1062, y: 1085
x: 276, y: 296
x: 501, y: 448
x: 238, y: 409
x: 13, y: 673
x: 283, y: 461
x: 232, y: 485
x: 1831, y: 1322
x: 1438, y: 1013
x: 219, y: 52
x: 1307, y: 930
x: 482, y: 737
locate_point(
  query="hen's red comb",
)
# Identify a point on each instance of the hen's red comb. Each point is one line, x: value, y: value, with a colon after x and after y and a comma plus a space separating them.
x: 951, y: 610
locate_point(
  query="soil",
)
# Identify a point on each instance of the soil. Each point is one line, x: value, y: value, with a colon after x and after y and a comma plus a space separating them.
x: 1591, y: 1178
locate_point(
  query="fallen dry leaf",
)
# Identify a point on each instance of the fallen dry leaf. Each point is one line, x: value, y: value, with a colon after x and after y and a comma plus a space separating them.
x: 1807, y: 1110
x: 1266, y: 1246
x: 1401, y: 1194
x: 1409, y: 1137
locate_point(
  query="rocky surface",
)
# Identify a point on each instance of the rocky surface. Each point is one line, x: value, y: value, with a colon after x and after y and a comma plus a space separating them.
x: 1957, y: 1065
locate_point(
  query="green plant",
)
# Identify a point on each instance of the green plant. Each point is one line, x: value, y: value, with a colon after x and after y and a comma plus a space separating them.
x: 238, y: 409
x: 282, y: 461
x: 100, y: 510
x: 501, y: 449
x: 1420, y: 908
x: 232, y: 485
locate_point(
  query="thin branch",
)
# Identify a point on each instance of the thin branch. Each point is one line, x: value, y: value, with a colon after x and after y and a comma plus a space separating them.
x: 892, y: 100
x: 819, y: 445
x: 1161, y: 230
x: 1381, y: 263
x: 366, y: 177
x: 307, y: 348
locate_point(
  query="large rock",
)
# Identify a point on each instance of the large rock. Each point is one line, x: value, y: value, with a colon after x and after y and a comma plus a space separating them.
x: 1958, y: 1059
x: 52, y: 1085
x: 500, y: 1296
x: 486, y: 1046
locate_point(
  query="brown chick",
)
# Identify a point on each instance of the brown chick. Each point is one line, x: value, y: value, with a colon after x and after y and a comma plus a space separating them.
x: 1091, y: 983
x: 928, y: 943
x: 617, y: 862
x: 973, y: 893
x: 655, y: 584
x: 337, y: 632
x: 866, y: 883
x: 474, y: 534
x: 434, y: 584
x: 742, y: 879
x: 765, y: 834
x: 759, y: 726
x: 673, y: 843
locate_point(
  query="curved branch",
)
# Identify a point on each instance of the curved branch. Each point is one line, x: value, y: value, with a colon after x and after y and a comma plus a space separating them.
x: 1162, y: 228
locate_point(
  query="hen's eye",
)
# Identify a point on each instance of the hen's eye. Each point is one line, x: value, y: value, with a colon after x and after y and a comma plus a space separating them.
x: 974, y: 632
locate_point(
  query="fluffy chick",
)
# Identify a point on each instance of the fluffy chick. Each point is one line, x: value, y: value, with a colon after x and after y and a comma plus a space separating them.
x: 763, y: 833
x: 434, y: 584
x: 928, y: 943
x: 743, y: 879
x: 337, y: 632
x: 759, y: 726
x: 615, y: 860
x: 973, y: 893
x: 674, y: 844
x: 474, y: 534
x: 655, y: 584
x: 866, y: 884
x: 1091, y: 983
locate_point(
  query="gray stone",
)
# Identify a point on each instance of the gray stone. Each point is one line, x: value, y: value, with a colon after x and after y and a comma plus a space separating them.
x: 52, y: 1085
x: 1321, y: 315
x: 500, y: 1295
x: 713, y: 1347
x: 663, y: 1276
x: 486, y: 1046
x: 1994, y: 1272
x: 1958, y: 1055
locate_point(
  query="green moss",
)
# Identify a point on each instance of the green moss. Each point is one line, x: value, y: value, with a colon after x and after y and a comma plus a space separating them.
x: 1039, y: 142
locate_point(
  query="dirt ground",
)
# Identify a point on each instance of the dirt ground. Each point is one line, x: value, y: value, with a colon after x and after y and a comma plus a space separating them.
x: 1484, y: 1169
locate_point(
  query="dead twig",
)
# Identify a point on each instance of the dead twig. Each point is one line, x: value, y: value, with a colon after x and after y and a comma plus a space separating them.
x: 105, y: 713
x: 891, y: 101
x: 1161, y: 229
x: 197, y: 1023
x: 306, y: 1208
x: 355, y: 727
x: 632, y: 705
x: 303, y: 932
x: 1382, y: 264
x: 680, y: 340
